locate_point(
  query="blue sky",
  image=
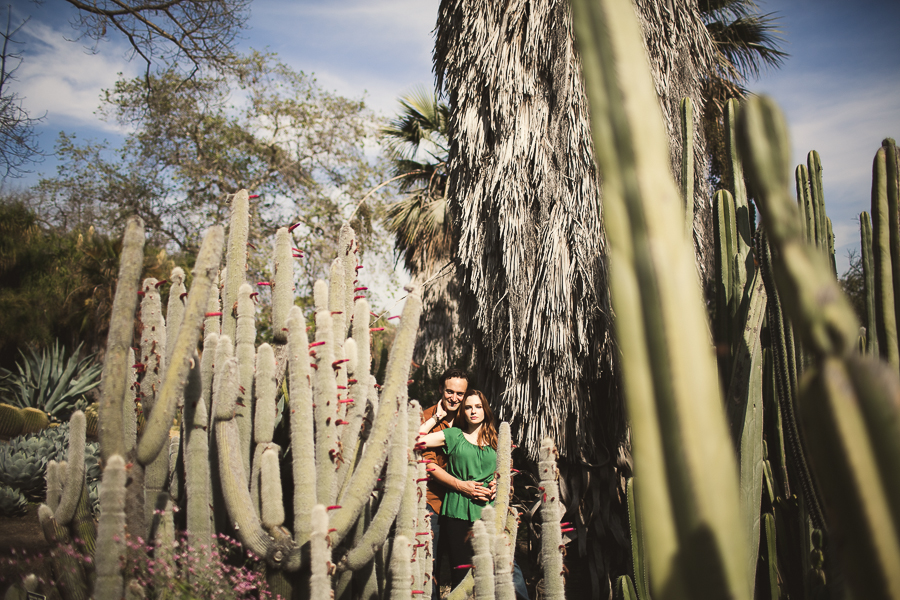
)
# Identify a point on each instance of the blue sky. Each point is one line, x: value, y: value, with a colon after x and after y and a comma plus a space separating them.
x: 840, y: 88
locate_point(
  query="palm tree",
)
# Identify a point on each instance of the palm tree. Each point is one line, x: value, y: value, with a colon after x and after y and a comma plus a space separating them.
x: 746, y: 41
x: 525, y: 191
x: 417, y: 144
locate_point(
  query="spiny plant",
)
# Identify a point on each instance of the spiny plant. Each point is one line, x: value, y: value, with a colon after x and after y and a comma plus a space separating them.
x: 309, y: 505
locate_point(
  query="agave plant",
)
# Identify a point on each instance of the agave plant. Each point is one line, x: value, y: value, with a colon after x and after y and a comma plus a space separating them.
x: 49, y: 381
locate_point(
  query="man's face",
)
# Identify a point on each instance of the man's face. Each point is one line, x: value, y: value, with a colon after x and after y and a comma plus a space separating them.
x: 453, y: 392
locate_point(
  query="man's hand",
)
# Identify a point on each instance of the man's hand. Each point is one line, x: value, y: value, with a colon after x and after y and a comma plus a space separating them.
x: 473, y: 489
x: 439, y: 412
x: 492, y: 486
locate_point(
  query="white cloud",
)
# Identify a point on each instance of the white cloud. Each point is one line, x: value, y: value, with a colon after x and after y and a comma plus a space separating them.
x: 63, y: 79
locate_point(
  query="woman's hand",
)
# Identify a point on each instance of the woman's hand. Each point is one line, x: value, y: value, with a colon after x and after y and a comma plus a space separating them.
x: 474, y: 490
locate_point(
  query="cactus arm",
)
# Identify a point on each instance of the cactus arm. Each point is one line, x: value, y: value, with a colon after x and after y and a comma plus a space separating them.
x: 350, y: 432
x: 744, y: 400
x: 817, y: 197
x: 503, y: 477
x: 373, y: 457
x: 326, y: 404
x: 865, y: 232
x: 881, y: 237
x: 483, y: 560
x: 301, y: 423
x: 129, y: 405
x: 771, y: 556
x: 551, y: 515
x: 845, y: 462
x: 69, y: 571
x: 111, y: 531
x: 503, y: 567
x: 264, y: 425
x: 245, y: 352
x: 174, y: 309
x: 118, y: 341
x: 74, y: 471
x: 235, y: 259
x: 464, y: 590
x: 320, y: 556
x: 270, y: 478
x: 282, y: 286
x: 744, y: 234
x: 197, y: 481
x: 359, y: 389
x: 828, y: 324
x: 54, y: 485
x: 406, y: 517
x: 668, y: 365
x: 878, y: 393
x: 892, y: 180
x: 234, y: 490
x: 807, y: 216
x: 153, y: 345
x: 638, y: 562
x: 401, y: 575
x: 156, y: 429
x: 686, y: 110
x: 337, y: 292
x: 395, y: 486
x: 625, y: 589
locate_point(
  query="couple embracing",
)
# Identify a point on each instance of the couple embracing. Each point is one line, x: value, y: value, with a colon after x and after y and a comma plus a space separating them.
x: 459, y: 434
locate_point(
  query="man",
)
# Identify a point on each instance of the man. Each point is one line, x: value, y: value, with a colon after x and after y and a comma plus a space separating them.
x: 454, y: 384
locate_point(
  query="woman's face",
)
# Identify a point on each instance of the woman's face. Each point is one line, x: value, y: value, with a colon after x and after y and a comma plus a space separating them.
x: 473, y: 410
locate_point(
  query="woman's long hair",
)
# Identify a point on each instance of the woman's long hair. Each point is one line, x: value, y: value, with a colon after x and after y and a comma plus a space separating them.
x: 487, y: 436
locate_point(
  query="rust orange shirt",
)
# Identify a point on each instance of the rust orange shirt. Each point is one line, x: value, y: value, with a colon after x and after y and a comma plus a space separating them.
x: 435, y: 489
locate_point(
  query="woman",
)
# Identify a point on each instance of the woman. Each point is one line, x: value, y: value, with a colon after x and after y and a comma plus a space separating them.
x: 471, y: 448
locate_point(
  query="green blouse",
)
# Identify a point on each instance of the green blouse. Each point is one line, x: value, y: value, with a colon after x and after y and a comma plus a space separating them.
x: 466, y: 462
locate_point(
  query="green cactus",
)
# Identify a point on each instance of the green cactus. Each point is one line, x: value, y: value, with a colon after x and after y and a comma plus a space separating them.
x: 886, y: 321
x: 11, y: 420
x: 111, y: 531
x: 625, y: 589
x: 551, y: 515
x: 638, y: 559
x: 236, y: 260
x: 839, y: 384
x: 118, y: 341
x: 483, y: 559
x: 866, y: 249
x: 401, y: 575
x: 682, y: 456
x: 34, y: 420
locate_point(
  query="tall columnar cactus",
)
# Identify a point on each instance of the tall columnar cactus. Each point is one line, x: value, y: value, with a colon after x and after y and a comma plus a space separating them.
x: 886, y: 320
x: 866, y: 249
x: 330, y: 389
x: 236, y: 260
x: 682, y: 448
x: 551, y: 515
x: 851, y: 451
x: 118, y: 341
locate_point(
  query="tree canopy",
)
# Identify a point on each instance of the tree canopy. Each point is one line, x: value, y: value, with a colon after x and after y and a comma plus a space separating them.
x: 193, y: 143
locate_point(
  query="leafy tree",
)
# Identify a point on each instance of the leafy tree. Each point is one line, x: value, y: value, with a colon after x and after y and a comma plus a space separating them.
x: 193, y: 143
x: 57, y: 284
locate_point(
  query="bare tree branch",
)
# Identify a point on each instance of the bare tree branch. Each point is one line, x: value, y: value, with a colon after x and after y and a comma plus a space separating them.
x: 18, y: 141
x: 173, y: 33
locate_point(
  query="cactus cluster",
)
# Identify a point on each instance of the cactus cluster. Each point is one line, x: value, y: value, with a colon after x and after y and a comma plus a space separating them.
x: 305, y: 497
x: 786, y: 343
